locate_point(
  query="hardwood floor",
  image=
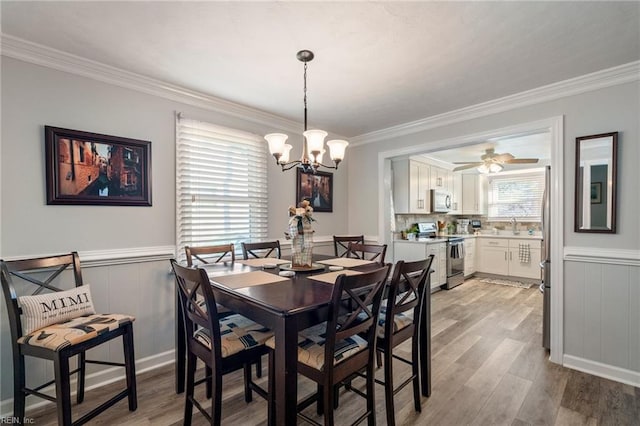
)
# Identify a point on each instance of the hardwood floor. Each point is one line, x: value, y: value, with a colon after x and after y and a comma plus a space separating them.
x: 488, y: 369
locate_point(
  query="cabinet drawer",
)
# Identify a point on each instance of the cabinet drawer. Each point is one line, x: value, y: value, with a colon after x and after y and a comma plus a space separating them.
x: 493, y: 242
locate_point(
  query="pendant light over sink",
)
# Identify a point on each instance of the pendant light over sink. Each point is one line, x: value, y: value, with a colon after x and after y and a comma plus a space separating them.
x: 312, y: 141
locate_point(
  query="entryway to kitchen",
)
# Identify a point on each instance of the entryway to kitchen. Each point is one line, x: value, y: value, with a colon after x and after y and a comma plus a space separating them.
x: 476, y: 203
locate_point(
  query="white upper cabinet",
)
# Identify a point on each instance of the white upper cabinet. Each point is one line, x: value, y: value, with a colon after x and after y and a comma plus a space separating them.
x: 474, y: 194
x: 456, y: 193
x: 440, y: 178
x: 411, y: 184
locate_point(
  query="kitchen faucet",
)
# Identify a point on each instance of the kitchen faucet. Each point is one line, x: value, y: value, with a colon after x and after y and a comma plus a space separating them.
x: 514, y: 226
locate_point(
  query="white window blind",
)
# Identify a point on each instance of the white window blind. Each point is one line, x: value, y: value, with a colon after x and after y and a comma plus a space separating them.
x: 516, y: 195
x: 221, y: 185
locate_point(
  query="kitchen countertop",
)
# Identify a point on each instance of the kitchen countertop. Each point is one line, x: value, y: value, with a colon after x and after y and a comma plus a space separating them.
x: 443, y: 239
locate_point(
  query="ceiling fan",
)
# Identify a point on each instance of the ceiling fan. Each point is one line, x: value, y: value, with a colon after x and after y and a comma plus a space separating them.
x: 491, y: 162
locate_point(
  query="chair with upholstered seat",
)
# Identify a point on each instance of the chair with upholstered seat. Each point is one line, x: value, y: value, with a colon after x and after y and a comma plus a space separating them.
x: 262, y: 249
x: 341, y: 243
x: 399, y: 321
x: 224, y: 345
x: 58, y: 325
x: 210, y: 254
x: 375, y: 252
x: 334, y: 351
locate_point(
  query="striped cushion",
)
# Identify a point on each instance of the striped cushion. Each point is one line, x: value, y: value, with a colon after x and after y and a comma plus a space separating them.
x: 77, y: 330
x: 311, y: 346
x: 400, y: 321
x: 237, y: 333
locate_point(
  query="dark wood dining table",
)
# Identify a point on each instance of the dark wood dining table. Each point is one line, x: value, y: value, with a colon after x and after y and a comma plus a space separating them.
x: 286, y: 307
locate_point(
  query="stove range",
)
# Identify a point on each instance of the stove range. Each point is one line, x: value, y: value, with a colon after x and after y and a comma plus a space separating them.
x: 455, y: 253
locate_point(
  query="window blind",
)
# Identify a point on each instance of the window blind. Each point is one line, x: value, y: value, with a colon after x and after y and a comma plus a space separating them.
x: 516, y: 195
x: 221, y: 185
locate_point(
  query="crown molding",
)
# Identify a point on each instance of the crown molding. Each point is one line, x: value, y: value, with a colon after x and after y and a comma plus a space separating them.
x: 600, y: 79
x: 26, y: 51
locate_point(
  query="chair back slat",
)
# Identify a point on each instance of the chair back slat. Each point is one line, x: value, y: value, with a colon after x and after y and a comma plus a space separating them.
x: 210, y: 254
x: 341, y: 243
x: 374, y: 252
x: 354, y: 308
x: 40, y: 272
x: 409, y: 282
x: 261, y: 250
x: 193, y: 286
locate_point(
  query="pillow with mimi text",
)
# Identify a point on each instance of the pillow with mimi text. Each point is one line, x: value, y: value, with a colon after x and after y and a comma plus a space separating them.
x: 45, y: 309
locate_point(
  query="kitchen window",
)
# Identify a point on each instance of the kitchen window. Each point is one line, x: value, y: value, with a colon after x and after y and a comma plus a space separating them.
x: 221, y: 185
x: 517, y: 194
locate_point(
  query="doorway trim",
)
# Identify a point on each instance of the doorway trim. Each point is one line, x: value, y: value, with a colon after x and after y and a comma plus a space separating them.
x: 553, y: 125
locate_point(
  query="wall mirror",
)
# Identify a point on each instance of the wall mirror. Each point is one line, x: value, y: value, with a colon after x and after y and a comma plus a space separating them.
x: 596, y: 183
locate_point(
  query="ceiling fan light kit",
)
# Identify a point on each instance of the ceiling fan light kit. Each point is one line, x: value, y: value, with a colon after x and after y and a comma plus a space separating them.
x: 492, y: 162
x: 312, y: 142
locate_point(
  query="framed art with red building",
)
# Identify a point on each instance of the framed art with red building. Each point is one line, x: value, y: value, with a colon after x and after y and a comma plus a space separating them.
x: 317, y: 188
x: 85, y: 168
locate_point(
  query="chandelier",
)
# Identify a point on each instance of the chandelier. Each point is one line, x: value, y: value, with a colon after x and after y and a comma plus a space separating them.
x: 312, y: 142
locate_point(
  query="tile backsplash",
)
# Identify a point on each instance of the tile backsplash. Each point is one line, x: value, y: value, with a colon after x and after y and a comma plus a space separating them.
x: 405, y: 221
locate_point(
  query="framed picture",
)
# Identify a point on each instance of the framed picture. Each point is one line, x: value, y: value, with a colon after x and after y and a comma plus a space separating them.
x: 317, y: 188
x: 596, y: 193
x: 90, y: 169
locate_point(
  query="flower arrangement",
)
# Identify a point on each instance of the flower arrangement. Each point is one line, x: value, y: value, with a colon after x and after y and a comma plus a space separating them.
x: 301, y: 234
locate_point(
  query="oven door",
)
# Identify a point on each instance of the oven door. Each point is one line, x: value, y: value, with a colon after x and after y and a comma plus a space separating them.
x: 455, y: 258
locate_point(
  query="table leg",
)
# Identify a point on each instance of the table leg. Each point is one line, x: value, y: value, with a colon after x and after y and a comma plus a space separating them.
x: 286, y: 371
x: 181, y: 347
x: 425, y: 344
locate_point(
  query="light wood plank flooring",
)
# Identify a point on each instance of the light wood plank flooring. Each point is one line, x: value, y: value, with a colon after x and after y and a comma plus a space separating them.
x: 488, y: 369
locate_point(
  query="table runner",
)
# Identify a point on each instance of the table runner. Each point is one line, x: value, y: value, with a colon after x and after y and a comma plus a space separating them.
x: 346, y: 262
x: 258, y: 263
x: 330, y: 277
x: 249, y: 279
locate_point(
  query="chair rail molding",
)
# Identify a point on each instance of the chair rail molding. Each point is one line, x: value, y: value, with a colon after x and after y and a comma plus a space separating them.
x: 602, y: 255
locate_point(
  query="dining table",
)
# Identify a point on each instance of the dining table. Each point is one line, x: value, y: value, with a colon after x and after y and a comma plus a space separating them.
x: 254, y: 288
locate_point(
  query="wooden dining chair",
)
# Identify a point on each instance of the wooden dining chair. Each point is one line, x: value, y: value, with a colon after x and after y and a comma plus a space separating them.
x: 224, y: 345
x: 58, y: 325
x: 399, y: 321
x: 210, y: 254
x: 341, y: 243
x: 374, y: 252
x: 341, y: 347
x: 262, y: 249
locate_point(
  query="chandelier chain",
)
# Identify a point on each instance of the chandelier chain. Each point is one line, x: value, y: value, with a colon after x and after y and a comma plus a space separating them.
x: 305, y: 96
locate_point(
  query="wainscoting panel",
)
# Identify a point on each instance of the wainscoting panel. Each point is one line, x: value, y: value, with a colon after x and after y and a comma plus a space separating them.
x: 602, y: 319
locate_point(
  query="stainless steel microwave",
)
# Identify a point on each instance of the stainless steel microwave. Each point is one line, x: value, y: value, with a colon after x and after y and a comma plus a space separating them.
x: 440, y: 201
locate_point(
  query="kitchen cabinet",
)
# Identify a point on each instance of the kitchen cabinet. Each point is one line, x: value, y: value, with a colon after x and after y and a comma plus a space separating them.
x: 440, y: 178
x: 456, y: 193
x: 411, y: 187
x: 410, y: 251
x: 474, y: 194
x: 469, y: 256
x: 501, y: 256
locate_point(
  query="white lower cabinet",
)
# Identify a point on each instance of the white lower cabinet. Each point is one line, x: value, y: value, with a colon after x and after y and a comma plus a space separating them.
x: 501, y: 256
x: 469, y: 256
x: 412, y: 251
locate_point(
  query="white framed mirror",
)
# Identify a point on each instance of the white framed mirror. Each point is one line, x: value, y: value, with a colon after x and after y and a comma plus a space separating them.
x: 595, y: 195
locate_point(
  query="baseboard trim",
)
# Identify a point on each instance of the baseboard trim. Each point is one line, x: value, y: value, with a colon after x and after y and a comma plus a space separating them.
x: 94, y: 380
x: 599, y: 369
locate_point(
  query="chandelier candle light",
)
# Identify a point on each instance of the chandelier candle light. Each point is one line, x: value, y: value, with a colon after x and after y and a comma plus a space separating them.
x: 313, y: 140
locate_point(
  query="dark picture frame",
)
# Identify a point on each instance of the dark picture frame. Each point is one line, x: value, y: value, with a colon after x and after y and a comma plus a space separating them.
x: 84, y: 168
x: 317, y: 188
x: 596, y: 193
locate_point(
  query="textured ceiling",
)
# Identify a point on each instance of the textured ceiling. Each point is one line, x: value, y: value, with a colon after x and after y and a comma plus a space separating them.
x: 377, y: 64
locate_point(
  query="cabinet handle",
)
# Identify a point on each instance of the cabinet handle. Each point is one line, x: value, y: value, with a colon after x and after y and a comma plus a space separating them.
x: 510, y: 256
x: 505, y: 255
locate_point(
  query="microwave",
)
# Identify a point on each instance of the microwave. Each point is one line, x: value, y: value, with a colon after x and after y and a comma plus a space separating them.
x: 440, y: 201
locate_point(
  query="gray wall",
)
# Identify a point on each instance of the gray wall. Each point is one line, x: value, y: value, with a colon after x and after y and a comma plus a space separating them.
x: 609, y: 303
x: 34, y: 96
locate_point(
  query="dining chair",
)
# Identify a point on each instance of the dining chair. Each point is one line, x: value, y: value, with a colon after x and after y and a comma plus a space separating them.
x: 399, y: 321
x: 56, y: 326
x: 224, y: 345
x: 210, y: 254
x: 336, y: 350
x: 341, y: 243
x: 374, y: 252
x: 262, y: 249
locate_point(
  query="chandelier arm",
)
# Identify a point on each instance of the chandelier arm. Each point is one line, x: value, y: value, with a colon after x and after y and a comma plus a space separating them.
x: 290, y: 165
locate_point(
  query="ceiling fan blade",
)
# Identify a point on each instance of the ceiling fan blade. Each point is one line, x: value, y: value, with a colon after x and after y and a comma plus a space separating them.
x: 467, y: 166
x: 503, y: 158
x: 522, y: 160
x: 466, y: 162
